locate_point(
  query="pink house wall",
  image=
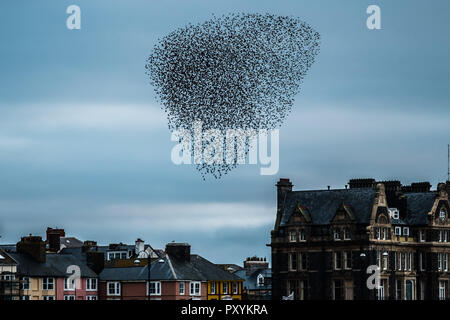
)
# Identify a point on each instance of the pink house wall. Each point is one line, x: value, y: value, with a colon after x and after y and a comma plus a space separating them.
x: 80, y: 293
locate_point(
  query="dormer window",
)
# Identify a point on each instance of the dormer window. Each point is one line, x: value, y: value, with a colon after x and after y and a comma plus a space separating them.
x: 302, y: 235
x: 347, y: 234
x: 292, y: 236
x: 377, y: 233
x: 406, y: 231
x: 398, y: 231
x: 422, y: 236
x: 337, y: 235
x: 442, y: 214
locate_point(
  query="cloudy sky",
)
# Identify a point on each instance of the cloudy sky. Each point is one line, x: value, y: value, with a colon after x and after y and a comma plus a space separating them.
x: 84, y: 144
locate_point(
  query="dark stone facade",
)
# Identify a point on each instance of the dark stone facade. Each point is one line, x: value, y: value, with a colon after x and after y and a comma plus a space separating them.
x: 324, y: 241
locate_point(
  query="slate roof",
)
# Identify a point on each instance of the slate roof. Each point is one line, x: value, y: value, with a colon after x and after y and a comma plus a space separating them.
x: 6, y: 259
x: 210, y: 271
x: 322, y: 204
x: 8, y: 247
x: 171, y: 268
x: 54, y: 266
x: 70, y: 242
x: 418, y: 205
x: 251, y: 279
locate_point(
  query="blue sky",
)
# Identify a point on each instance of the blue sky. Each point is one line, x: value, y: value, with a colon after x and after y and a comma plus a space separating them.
x: 84, y: 144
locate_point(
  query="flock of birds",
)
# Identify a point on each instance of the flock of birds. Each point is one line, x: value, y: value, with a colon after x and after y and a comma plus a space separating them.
x: 237, y: 71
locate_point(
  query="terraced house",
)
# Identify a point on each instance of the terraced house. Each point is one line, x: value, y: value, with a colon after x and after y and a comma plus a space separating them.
x: 324, y: 241
x: 45, y: 276
x: 176, y: 275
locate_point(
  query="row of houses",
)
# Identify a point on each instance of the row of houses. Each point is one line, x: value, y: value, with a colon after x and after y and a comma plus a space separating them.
x: 65, y: 268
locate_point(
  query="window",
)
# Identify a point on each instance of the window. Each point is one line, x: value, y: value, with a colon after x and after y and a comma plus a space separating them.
x: 439, y: 261
x: 446, y: 262
x: 48, y: 298
x: 410, y: 261
x: 303, y: 261
x: 117, y: 255
x: 48, y: 283
x: 410, y: 290
x: 440, y: 236
x: 442, y: 290
x: 384, y: 234
x: 421, y: 266
x: 385, y: 260
x: 69, y: 284
x: 337, y: 235
x: 422, y: 290
x: 225, y: 288
x: 292, y: 236
x: 398, y: 231
x: 195, y: 288
x: 91, y: 298
x: 260, y: 280
x: 442, y: 214
x: 377, y: 233
x: 303, y: 289
x: 299, y: 288
x: 338, y: 260
x: 113, y: 288
x: 405, y: 261
x: 422, y: 236
x: 380, y: 290
x: 155, y: 288
x: 182, y: 287
x: 235, y: 288
x: 293, y: 261
x: 338, y: 290
x: 91, y: 284
x: 395, y: 261
x: 347, y: 234
x: 25, y: 297
x: 405, y: 231
x: 69, y: 297
x: 302, y: 235
x: 347, y: 259
x: 25, y: 285
x: 445, y: 236
x: 8, y: 277
x: 213, y: 288
x: 398, y: 290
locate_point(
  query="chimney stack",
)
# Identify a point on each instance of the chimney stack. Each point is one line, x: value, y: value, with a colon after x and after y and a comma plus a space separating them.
x: 283, y: 187
x: 139, y: 246
x: 32, y: 245
x: 54, y: 238
x: 254, y: 263
x: 88, y: 245
x: 180, y: 251
x: 361, y: 183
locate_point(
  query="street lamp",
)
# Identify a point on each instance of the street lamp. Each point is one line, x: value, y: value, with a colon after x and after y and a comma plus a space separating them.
x: 363, y: 263
x: 149, y: 262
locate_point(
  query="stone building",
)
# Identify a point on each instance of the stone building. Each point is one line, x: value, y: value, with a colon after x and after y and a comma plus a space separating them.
x: 324, y: 242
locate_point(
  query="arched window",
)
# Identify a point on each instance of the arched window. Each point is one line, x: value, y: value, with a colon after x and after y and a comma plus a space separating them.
x: 260, y: 280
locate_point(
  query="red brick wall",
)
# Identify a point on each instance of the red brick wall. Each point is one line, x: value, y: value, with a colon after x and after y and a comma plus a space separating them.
x: 134, y: 290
